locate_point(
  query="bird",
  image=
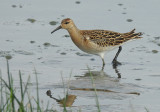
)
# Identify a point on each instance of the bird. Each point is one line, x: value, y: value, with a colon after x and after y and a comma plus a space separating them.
x: 97, y: 42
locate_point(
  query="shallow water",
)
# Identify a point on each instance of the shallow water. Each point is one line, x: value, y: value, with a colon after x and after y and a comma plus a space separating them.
x: 25, y: 28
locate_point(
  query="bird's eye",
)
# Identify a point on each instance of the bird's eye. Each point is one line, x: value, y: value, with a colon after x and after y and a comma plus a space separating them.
x: 66, y: 22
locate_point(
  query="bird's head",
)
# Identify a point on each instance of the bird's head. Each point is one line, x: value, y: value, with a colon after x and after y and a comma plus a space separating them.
x: 65, y: 24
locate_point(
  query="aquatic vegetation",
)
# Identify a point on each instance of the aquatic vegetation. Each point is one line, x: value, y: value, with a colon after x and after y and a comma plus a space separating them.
x: 154, y: 51
x: 31, y: 20
x: 77, y: 2
x: 9, y: 98
x: 129, y: 20
x: 53, y: 22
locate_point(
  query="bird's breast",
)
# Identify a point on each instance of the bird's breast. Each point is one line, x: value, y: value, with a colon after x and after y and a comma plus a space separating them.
x: 86, y: 45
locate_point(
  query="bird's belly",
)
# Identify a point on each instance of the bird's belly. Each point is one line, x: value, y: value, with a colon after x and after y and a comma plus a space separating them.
x: 92, y: 48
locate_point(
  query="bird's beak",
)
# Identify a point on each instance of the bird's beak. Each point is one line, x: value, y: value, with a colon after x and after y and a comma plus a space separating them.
x: 59, y: 27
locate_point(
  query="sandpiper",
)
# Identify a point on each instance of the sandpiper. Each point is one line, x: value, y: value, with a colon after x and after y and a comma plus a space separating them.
x: 97, y: 42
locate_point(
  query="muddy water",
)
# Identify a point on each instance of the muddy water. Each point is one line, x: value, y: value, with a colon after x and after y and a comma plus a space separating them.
x: 25, y: 28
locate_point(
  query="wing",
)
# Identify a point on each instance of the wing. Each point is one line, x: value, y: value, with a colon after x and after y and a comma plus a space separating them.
x: 106, y: 38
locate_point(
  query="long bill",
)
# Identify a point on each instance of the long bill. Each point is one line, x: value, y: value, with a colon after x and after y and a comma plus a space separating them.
x: 59, y: 27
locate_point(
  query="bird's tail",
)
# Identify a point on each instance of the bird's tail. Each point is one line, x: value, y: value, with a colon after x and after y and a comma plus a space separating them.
x: 132, y: 35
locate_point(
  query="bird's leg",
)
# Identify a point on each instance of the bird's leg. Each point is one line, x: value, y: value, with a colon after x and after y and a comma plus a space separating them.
x: 115, y: 62
x: 103, y: 63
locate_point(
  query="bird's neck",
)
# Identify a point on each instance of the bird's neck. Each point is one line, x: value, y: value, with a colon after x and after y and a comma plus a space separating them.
x: 75, y: 36
x: 74, y: 32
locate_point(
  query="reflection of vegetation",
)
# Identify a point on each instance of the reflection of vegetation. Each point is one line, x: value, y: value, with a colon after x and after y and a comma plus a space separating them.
x: 103, y: 90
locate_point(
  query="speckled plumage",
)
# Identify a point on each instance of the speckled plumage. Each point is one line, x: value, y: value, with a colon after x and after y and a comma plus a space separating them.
x: 97, y: 42
x: 106, y: 38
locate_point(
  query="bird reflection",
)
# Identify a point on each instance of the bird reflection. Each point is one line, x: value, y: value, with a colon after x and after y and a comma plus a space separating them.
x: 101, y: 72
x: 67, y: 101
x: 117, y: 71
